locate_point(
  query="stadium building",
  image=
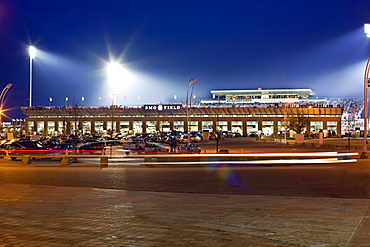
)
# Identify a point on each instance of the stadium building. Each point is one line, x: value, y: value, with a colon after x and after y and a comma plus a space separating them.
x: 245, y: 112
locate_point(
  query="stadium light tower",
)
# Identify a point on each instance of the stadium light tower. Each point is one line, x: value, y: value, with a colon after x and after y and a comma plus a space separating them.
x: 32, y: 53
x: 366, y: 88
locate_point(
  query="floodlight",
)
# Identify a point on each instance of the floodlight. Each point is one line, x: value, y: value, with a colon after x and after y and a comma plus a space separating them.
x: 32, y: 51
x: 367, y: 29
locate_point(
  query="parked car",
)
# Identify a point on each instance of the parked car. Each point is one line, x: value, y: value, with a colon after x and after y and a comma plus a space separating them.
x: 193, y: 138
x: 24, y: 147
x: 252, y: 134
x: 60, y: 149
x: 92, y: 148
x: 189, y: 148
x: 156, y: 147
x: 237, y: 134
x: 135, y: 144
x: 125, y: 140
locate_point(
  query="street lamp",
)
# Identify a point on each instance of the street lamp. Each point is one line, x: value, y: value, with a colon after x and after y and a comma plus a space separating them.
x: 32, y: 53
x: 191, y: 85
x: 3, y: 93
x: 2, y: 96
x: 366, y: 87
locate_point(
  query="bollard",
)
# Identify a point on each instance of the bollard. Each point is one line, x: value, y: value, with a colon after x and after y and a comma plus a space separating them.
x: 349, y: 144
x: 66, y: 160
x: 103, y: 161
x: 26, y: 159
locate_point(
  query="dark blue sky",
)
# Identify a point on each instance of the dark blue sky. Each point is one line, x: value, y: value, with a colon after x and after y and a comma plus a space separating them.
x: 240, y: 44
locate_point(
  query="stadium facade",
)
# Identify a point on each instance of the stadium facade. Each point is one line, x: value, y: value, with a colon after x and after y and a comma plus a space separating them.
x: 240, y: 111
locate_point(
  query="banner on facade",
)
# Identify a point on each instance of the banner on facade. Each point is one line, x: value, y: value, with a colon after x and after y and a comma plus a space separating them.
x: 162, y: 107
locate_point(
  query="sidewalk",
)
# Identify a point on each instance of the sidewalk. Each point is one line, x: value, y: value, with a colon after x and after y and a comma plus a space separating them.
x: 66, y: 216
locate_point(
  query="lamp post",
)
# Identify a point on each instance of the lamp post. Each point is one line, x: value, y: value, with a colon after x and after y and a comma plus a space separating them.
x: 115, y: 79
x: 2, y: 96
x: 32, y: 53
x: 366, y: 88
x: 191, y: 85
x: 113, y: 95
x: 285, y: 121
x: 3, y: 93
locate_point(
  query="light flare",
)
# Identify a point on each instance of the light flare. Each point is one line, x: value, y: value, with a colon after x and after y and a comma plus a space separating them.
x: 226, y: 174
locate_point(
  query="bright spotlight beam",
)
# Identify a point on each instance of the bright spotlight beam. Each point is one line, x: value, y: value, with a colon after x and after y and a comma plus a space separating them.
x: 367, y: 29
x: 32, y: 51
x: 115, y: 71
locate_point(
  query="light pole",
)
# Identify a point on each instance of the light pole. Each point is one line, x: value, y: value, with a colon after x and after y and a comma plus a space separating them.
x: 32, y: 53
x: 191, y: 85
x: 112, y: 110
x: 366, y: 87
x: 113, y: 95
x: 2, y: 96
x: 285, y: 121
x: 3, y: 93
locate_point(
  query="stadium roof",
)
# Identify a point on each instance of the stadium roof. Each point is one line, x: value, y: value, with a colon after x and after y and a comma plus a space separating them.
x: 301, y: 92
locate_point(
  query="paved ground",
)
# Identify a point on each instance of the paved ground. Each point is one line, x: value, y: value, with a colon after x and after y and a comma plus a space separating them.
x: 32, y: 215
x: 62, y: 216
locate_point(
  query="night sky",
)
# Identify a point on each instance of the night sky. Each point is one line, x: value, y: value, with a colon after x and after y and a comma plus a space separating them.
x: 161, y: 45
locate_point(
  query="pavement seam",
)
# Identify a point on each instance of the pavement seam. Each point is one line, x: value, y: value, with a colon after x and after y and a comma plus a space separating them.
x: 366, y: 215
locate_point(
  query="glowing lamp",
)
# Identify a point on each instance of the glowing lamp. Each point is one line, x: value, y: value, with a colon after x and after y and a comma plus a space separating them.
x: 367, y: 29
x: 32, y: 51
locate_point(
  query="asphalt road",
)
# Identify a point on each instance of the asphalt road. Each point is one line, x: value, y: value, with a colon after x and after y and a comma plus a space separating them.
x: 337, y: 181
x: 342, y: 181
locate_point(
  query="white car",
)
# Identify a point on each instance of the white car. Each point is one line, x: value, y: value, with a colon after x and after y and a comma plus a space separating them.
x: 189, y: 148
x: 157, y: 147
x: 193, y: 138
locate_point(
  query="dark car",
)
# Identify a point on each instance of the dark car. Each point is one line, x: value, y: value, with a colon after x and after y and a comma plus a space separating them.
x: 92, y: 148
x: 24, y: 147
x: 62, y: 149
x: 189, y: 148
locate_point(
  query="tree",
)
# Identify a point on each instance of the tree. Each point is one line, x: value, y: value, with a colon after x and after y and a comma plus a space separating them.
x: 297, y: 120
